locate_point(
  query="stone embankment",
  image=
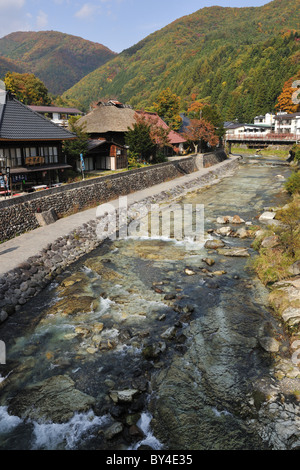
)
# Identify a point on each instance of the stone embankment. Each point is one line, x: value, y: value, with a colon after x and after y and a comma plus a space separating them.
x: 31, y: 277
x: 276, y: 396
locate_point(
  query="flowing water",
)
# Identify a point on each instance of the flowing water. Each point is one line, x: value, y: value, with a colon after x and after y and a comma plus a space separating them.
x: 141, y: 344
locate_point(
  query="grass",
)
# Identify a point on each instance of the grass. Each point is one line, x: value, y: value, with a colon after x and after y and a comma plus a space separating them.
x: 272, y: 264
x: 280, y: 153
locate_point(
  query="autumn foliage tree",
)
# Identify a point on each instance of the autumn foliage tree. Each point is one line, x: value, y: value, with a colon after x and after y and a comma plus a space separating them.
x: 147, y: 138
x: 27, y: 88
x: 167, y: 106
x: 201, y: 132
x: 288, y: 100
x: 195, y: 108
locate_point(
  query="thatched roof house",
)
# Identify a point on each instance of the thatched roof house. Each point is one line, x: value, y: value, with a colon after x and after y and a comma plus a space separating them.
x: 109, y: 121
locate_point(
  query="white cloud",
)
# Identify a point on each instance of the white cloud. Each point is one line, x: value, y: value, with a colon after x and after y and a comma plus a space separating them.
x: 12, y: 17
x: 88, y: 10
x: 42, y: 19
x: 11, y: 4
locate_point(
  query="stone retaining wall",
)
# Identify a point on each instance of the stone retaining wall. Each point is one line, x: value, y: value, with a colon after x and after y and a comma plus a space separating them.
x: 18, y: 215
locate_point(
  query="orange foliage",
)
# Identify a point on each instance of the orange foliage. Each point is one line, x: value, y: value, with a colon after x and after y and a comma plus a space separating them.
x: 201, y: 130
x: 195, y: 108
x: 288, y: 100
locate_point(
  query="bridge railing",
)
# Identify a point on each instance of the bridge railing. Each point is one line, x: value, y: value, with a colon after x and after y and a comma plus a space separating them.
x: 264, y: 137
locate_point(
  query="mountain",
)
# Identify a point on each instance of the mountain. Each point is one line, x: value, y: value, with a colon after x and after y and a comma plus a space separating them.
x: 8, y: 65
x: 236, y: 58
x: 59, y: 60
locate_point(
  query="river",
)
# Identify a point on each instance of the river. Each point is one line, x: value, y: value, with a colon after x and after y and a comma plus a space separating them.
x: 142, y: 344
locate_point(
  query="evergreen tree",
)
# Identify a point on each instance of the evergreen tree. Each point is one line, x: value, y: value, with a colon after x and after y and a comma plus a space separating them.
x: 74, y: 148
x: 139, y: 140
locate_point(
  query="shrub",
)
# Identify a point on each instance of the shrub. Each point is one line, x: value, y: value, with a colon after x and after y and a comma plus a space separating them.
x: 292, y: 185
x: 296, y: 151
x: 272, y: 264
x: 133, y: 160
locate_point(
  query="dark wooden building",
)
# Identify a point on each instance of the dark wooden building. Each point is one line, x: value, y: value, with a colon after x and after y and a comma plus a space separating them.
x: 104, y: 155
x: 30, y: 147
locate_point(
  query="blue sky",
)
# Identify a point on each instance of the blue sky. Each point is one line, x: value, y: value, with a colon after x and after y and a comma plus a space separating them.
x: 117, y: 24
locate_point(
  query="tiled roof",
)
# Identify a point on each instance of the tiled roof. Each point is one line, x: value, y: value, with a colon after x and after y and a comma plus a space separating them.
x: 287, y: 116
x: 55, y: 109
x: 232, y: 125
x: 19, y: 122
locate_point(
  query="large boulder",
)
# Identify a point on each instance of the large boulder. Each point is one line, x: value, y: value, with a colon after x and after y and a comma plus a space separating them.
x: 270, y: 242
x: 214, y: 244
x: 295, y: 268
x: 267, y: 216
x: 55, y: 399
x: 235, y: 252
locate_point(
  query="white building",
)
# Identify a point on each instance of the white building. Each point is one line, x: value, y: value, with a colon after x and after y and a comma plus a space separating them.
x: 268, y: 119
x: 236, y: 129
x: 58, y: 115
x: 287, y: 123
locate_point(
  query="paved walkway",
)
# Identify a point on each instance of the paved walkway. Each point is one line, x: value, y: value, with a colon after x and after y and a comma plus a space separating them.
x: 19, y: 249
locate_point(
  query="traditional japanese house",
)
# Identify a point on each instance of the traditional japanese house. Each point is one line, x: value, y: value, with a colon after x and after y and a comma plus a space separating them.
x: 109, y: 121
x: 30, y: 146
x: 107, y: 124
x: 103, y: 155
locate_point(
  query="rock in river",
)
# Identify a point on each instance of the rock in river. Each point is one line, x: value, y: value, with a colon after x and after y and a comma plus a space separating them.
x: 55, y: 399
x: 236, y: 252
x: 214, y: 244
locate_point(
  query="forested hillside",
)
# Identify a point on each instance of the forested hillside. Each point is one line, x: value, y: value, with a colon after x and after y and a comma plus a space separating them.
x: 59, y: 60
x: 236, y: 58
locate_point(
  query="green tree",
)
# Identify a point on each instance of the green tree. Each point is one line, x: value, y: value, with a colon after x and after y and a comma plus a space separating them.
x: 167, y: 106
x: 212, y: 115
x: 27, y: 88
x: 73, y: 148
x: 139, y: 139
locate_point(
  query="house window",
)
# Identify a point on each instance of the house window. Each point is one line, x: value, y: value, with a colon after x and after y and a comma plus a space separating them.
x: 30, y: 152
x: 13, y: 157
x: 50, y: 154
